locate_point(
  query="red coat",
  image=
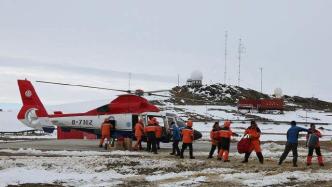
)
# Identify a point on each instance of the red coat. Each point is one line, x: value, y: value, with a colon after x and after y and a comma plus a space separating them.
x: 150, y: 128
x: 317, y: 133
x: 255, y: 134
x: 214, y: 137
x: 106, y: 129
x: 159, y: 131
x: 139, y: 131
x: 187, y: 135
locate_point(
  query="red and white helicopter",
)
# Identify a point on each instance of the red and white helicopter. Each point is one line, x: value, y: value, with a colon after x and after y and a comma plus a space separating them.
x: 125, y: 110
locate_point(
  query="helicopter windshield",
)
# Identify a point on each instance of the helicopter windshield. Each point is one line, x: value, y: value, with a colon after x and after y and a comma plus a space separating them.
x: 180, y: 122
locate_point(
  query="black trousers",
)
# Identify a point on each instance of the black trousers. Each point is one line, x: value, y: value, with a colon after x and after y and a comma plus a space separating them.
x: 213, y: 148
x: 311, y: 151
x: 184, y: 147
x: 158, y: 143
x: 289, y: 147
x: 175, y: 147
x: 152, y: 142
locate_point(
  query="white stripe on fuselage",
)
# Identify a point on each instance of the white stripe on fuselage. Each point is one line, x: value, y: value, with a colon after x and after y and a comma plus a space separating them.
x: 123, y: 121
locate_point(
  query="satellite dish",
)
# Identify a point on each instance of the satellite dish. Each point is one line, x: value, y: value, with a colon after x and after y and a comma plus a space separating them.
x: 278, y: 92
x: 196, y: 75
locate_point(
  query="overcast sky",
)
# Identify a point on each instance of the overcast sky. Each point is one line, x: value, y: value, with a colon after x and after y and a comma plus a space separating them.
x: 99, y: 42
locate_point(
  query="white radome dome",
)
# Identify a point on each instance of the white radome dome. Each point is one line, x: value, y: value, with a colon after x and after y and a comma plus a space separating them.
x: 196, y: 75
x: 278, y: 92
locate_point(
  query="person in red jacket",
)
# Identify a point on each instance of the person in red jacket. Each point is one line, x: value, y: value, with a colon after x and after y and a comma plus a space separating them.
x: 313, y: 130
x: 254, y: 134
x: 105, y: 128
x: 225, y: 135
x: 150, y: 131
x: 139, y: 132
x: 187, y: 139
x: 214, y: 139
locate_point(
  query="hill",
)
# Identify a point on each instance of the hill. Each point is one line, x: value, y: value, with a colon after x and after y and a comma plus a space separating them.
x: 221, y: 94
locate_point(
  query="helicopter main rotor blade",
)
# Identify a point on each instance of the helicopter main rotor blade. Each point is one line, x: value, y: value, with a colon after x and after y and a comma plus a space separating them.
x: 85, y: 86
x: 155, y: 91
x: 149, y: 94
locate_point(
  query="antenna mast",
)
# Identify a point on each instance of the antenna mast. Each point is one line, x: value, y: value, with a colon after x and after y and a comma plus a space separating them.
x: 261, y: 79
x: 240, y: 50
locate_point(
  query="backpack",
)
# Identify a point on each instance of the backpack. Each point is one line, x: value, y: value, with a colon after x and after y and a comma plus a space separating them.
x: 312, y: 140
x: 243, y: 146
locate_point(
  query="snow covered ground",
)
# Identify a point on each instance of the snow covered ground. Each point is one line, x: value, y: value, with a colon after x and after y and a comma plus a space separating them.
x: 94, y: 168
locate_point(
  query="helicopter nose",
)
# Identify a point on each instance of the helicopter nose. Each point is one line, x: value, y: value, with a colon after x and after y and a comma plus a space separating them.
x: 197, y: 135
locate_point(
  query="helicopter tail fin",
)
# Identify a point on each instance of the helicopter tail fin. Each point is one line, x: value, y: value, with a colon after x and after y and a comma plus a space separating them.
x: 30, y: 100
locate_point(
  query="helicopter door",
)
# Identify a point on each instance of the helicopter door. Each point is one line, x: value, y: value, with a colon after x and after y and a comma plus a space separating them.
x: 134, y: 121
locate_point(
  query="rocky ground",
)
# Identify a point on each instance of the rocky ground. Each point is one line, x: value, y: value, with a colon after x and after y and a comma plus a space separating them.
x: 33, y: 167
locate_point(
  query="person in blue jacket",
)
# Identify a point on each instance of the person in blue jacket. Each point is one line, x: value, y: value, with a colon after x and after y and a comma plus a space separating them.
x: 176, y: 139
x: 292, y: 143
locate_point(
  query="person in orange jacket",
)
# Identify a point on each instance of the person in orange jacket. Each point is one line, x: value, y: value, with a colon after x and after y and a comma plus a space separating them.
x: 254, y: 134
x: 159, y: 132
x: 150, y: 131
x: 105, y: 128
x: 214, y: 139
x: 139, y: 132
x: 225, y: 134
x: 313, y: 130
x: 187, y: 139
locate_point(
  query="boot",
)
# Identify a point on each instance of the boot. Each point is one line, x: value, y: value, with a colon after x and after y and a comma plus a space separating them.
x: 260, y: 157
x: 191, y: 155
x: 181, y: 154
x: 320, y: 160
x: 294, y: 161
x: 106, y: 145
x: 173, y: 152
x: 246, y: 158
x: 220, y: 154
x: 226, y: 156
x: 309, y: 158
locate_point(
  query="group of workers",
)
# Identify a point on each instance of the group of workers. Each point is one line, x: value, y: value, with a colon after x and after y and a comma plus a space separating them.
x: 153, y: 132
x: 220, y: 139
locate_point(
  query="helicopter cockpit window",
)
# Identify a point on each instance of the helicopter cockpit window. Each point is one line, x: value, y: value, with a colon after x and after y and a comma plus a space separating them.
x: 180, y: 122
x: 103, y: 109
x: 170, y: 120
